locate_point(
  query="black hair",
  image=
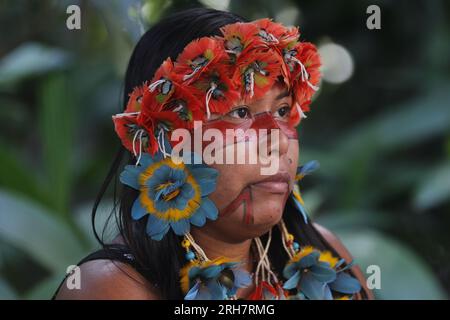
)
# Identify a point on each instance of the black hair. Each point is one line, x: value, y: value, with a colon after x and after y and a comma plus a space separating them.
x: 159, y: 262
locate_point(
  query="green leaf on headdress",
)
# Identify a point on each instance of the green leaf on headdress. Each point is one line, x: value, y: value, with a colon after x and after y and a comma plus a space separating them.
x: 261, y: 81
x: 209, y: 54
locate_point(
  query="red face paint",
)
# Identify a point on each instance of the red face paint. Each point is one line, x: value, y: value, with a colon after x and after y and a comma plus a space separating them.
x: 261, y: 123
x: 245, y: 198
x: 263, y: 120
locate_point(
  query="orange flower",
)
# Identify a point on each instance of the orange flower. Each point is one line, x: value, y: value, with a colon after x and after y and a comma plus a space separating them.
x: 197, y: 56
x: 270, y: 32
x: 135, y: 99
x: 135, y: 137
x: 168, y: 102
x: 216, y: 90
x: 305, y: 75
x: 160, y: 88
x: 212, y: 73
x: 256, y: 72
x: 239, y: 37
x: 290, y: 37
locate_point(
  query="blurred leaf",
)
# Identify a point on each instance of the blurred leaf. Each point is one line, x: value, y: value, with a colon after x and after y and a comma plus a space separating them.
x: 6, y: 292
x: 403, y: 274
x: 405, y: 125
x: 83, y: 220
x: 328, y: 164
x: 435, y: 189
x: 355, y: 160
x: 402, y: 175
x: 216, y: 4
x: 46, y: 288
x: 354, y: 219
x: 14, y: 113
x: 37, y: 232
x: 122, y: 16
x: 152, y: 9
x: 56, y: 123
x: 30, y: 59
x: 17, y: 176
x: 121, y: 29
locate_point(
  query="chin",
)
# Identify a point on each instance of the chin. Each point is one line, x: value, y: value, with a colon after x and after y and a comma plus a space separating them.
x: 243, y: 224
x: 267, y: 214
x: 268, y: 209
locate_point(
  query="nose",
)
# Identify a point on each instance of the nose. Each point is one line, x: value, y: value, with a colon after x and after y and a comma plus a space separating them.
x: 282, y: 143
x: 277, y: 140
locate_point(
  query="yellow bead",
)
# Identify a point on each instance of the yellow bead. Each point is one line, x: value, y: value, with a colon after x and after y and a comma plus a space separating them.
x: 290, y: 237
x: 185, y: 243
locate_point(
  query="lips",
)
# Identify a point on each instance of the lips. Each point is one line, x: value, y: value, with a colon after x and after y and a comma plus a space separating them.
x: 278, y: 183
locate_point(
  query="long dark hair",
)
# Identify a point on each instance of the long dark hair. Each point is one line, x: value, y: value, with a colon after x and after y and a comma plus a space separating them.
x: 160, y: 261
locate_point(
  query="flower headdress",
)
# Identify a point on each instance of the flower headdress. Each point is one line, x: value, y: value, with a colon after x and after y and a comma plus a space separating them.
x: 209, y: 76
x: 211, y: 73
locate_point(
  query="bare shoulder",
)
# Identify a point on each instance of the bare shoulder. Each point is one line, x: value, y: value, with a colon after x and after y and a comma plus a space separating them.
x: 340, y: 248
x: 109, y: 280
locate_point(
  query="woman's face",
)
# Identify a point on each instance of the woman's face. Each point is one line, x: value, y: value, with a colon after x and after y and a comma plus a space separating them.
x: 251, y: 202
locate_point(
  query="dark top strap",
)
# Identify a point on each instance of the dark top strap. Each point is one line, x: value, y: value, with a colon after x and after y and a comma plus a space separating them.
x: 113, y: 253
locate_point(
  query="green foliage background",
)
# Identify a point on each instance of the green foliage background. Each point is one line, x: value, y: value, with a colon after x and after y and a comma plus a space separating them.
x: 382, y: 137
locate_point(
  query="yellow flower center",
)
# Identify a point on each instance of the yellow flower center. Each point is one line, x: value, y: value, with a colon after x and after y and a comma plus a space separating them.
x: 172, y: 214
x: 171, y: 195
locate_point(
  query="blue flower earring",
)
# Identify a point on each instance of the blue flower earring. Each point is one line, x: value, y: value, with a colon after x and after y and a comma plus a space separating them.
x: 172, y: 194
x: 314, y: 274
x: 302, y: 171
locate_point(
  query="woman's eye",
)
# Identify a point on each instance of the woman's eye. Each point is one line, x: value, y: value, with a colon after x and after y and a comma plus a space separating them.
x: 240, y: 113
x: 283, y: 112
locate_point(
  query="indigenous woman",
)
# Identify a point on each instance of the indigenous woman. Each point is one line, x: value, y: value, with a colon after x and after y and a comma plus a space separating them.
x: 192, y: 223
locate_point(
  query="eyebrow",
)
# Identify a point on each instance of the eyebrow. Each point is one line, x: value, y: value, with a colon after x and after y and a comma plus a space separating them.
x: 285, y: 93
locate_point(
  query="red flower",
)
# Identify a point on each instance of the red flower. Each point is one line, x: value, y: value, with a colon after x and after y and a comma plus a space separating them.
x: 298, y: 112
x: 135, y: 99
x: 133, y: 135
x: 160, y: 88
x: 286, y: 46
x: 256, y: 72
x: 212, y: 73
x: 216, y: 90
x: 289, y: 38
x: 239, y: 37
x: 168, y: 102
x: 164, y: 104
x: 266, y: 291
x: 197, y: 56
x: 305, y: 75
x: 179, y: 111
x: 270, y: 32
x: 165, y: 70
x: 138, y: 131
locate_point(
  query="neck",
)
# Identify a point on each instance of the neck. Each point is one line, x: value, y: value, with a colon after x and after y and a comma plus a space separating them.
x: 214, y: 248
